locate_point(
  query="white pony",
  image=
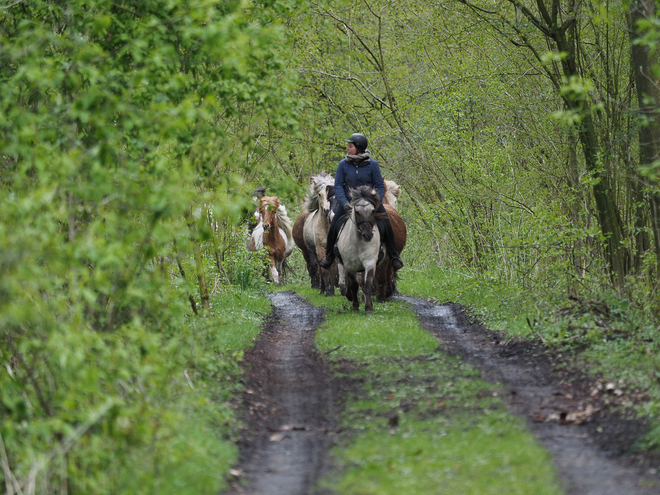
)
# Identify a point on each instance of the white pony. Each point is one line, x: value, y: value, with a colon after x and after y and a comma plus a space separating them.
x: 358, y: 245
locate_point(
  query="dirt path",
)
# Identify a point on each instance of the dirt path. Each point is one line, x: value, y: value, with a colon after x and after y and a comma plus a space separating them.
x: 537, y: 394
x: 288, y: 404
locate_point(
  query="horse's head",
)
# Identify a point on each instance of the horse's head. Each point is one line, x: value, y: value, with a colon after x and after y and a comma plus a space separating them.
x: 268, y: 206
x: 392, y: 192
x: 364, y: 201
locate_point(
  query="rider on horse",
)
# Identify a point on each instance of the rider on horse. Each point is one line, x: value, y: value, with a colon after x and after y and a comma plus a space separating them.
x: 358, y: 169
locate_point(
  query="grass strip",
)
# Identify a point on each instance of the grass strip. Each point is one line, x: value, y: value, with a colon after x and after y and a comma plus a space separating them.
x: 419, y: 420
x: 189, y: 423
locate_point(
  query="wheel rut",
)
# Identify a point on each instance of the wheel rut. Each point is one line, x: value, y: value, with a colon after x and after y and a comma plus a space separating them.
x: 288, y: 404
x: 534, y: 394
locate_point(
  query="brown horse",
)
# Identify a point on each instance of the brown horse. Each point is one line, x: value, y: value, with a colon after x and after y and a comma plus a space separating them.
x: 273, y: 233
x: 385, y: 278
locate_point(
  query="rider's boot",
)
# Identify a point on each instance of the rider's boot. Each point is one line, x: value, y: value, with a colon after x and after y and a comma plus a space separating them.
x: 330, y: 244
x: 387, y: 234
x: 327, y: 261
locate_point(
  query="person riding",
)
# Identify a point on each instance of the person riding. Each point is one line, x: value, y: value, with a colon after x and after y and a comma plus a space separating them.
x: 358, y: 169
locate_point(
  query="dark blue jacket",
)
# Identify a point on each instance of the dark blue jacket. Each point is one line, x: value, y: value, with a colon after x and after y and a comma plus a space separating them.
x: 350, y: 175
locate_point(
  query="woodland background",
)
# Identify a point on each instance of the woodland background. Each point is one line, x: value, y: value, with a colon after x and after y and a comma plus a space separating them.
x: 524, y: 134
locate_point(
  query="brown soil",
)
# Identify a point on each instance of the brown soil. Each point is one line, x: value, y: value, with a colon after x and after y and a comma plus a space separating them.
x: 292, y: 402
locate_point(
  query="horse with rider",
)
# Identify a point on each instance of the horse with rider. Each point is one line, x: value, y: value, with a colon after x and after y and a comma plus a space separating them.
x: 359, y: 169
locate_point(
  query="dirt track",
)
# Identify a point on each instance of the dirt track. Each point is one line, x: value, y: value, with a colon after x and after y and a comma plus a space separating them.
x: 290, y: 405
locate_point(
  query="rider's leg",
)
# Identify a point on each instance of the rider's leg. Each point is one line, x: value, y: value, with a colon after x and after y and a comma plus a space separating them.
x: 387, y: 236
x: 333, y: 232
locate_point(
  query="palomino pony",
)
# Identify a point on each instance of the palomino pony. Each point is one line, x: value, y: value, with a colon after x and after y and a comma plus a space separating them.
x: 299, y: 239
x: 358, y: 245
x: 392, y: 193
x: 274, y: 233
x: 315, y: 229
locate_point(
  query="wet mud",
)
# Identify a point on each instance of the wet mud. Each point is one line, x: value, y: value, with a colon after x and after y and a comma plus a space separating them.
x: 288, y: 405
x: 557, y: 406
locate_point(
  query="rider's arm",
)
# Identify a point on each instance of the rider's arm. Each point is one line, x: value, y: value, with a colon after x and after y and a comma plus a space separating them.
x: 377, y: 178
x: 340, y: 194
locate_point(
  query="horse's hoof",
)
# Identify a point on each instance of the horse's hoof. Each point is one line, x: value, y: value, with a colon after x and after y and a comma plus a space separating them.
x: 368, y: 311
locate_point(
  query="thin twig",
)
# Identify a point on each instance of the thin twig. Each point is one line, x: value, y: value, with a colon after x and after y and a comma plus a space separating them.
x: 332, y: 350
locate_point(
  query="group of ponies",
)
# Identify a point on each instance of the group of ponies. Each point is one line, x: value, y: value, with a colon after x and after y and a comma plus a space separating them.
x: 361, y: 261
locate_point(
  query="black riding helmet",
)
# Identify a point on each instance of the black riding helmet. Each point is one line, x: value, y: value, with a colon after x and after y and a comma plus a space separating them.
x: 359, y: 141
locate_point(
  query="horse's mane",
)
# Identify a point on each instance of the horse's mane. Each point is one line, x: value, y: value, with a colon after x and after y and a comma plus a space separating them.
x: 364, y: 192
x: 284, y: 221
x: 316, y: 184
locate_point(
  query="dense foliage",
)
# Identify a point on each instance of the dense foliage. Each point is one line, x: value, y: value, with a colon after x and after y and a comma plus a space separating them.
x: 122, y: 158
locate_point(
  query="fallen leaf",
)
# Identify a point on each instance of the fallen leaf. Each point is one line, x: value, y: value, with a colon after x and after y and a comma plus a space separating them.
x: 276, y: 437
x: 236, y: 473
x: 292, y: 428
x: 538, y: 417
x: 575, y: 417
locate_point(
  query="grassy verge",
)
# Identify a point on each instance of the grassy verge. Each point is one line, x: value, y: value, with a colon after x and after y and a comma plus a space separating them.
x: 613, y: 340
x: 164, y: 423
x: 194, y: 428
x: 421, y: 421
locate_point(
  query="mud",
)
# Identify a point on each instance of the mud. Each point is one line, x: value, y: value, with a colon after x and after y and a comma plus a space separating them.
x: 292, y: 402
x: 288, y: 405
x: 557, y: 406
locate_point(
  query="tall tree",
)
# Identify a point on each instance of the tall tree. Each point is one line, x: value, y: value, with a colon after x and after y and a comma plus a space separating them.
x: 644, y: 61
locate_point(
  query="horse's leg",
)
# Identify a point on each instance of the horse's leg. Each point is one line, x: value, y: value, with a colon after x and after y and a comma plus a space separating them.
x: 341, y: 272
x: 273, y: 272
x: 368, y: 290
x: 327, y: 282
x: 313, y: 267
x: 317, y: 282
x: 354, y: 289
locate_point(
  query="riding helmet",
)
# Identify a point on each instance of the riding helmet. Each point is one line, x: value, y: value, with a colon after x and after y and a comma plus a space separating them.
x: 359, y: 141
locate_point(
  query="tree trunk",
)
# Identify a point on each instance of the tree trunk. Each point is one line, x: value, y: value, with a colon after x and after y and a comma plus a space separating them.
x: 648, y: 97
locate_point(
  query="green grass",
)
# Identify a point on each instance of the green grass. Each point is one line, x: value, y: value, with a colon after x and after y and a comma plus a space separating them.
x: 502, y: 307
x: 421, y: 421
